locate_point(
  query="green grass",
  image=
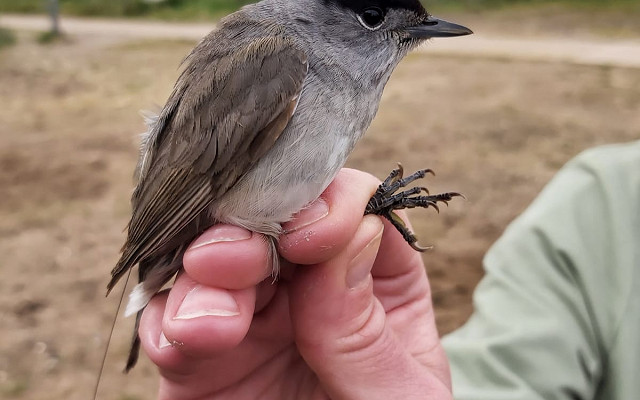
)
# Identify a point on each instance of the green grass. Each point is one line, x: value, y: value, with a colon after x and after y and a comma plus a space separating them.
x: 50, y: 37
x: 7, y: 38
x: 165, y: 9
x: 14, y: 389
x: 207, y: 9
x: 129, y: 397
x: 22, y: 6
x: 195, y: 9
x: 479, y: 5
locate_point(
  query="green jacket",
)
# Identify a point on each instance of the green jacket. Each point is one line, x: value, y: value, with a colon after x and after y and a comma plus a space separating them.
x: 557, y: 315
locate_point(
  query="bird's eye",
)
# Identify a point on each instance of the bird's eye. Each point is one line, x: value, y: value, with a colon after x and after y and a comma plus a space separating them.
x: 371, y: 18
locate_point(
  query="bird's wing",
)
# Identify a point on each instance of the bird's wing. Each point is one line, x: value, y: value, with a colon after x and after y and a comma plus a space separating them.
x: 226, y: 111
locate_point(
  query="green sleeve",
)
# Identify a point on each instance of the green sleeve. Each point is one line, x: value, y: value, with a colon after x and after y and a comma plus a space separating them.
x: 557, y: 315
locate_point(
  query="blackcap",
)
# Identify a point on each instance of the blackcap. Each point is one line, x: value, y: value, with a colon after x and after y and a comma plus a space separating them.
x: 263, y: 116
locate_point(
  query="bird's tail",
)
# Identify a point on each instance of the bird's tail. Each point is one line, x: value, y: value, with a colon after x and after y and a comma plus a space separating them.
x: 134, y: 351
x: 153, y: 275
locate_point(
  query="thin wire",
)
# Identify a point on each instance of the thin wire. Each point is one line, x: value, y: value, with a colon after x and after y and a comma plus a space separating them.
x: 106, y: 350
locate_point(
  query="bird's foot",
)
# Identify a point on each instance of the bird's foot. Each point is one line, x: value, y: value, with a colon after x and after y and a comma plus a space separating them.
x: 385, y: 200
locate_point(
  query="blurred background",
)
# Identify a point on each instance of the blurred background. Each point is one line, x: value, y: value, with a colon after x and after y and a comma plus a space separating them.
x: 495, y: 115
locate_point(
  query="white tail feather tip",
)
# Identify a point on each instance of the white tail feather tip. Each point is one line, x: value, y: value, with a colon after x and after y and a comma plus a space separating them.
x: 138, y: 299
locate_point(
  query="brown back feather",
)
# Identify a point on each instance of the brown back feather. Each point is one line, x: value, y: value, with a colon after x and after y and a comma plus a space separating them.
x: 229, y: 106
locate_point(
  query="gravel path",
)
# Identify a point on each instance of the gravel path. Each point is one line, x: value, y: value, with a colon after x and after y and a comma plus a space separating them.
x: 620, y: 53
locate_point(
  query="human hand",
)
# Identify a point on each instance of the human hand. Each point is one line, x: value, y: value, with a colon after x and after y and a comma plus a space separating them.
x: 350, y: 316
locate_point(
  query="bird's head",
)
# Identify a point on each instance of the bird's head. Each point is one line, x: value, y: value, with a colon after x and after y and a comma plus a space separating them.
x: 404, y: 22
x: 376, y: 33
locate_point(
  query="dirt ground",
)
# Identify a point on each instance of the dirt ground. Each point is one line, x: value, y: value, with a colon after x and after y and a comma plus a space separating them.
x: 496, y: 130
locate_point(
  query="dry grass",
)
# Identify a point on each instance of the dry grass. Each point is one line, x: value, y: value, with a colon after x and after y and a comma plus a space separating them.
x: 493, y: 129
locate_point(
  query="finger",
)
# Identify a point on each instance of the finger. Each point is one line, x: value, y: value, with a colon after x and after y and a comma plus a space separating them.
x: 321, y: 231
x: 188, y: 373
x: 401, y: 286
x: 197, y: 322
x: 399, y: 272
x: 152, y: 339
x: 227, y: 256
x: 396, y: 255
x: 341, y: 330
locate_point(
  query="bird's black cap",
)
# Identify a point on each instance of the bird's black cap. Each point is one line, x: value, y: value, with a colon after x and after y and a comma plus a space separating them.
x: 359, y: 5
x: 427, y: 26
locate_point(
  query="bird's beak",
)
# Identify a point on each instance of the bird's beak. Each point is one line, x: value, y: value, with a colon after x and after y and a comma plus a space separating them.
x: 434, y: 27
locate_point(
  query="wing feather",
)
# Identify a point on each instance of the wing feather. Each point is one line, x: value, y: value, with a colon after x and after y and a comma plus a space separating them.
x: 228, y: 108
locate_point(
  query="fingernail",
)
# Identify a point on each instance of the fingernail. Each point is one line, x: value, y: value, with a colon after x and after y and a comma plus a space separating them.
x: 163, y: 343
x: 204, y: 301
x: 307, y: 216
x: 359, y: 269
x: 221, y: 233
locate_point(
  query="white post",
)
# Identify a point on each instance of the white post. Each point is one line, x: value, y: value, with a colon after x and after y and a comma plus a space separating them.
x: 54, y: 10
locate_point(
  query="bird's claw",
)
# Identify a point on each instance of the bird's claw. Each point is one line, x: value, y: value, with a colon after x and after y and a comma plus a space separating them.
x: 385, y: 200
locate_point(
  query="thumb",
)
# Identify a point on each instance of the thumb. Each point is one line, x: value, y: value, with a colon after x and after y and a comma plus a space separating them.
x: 341, y: 328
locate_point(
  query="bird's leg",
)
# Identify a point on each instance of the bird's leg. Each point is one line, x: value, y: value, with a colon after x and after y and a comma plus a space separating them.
x: 385, y: 200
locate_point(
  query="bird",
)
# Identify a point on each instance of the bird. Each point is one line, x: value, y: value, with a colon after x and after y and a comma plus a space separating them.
x: 264, y: 114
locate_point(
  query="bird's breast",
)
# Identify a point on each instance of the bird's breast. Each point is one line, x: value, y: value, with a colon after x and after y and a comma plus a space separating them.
x: 303, y: 161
